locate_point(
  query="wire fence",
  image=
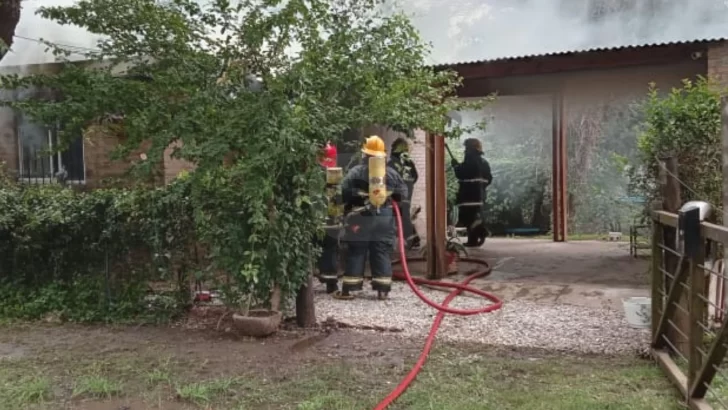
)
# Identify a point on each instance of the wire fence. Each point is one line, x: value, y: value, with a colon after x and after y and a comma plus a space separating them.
x: 689, y: 332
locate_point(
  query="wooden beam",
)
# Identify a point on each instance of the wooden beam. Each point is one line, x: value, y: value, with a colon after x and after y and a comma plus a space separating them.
x: 564, y: 171
x: 430, y: 189
x: 479, y: 87
x: 440, y: 210
x: 658, y: 279
x: 558, y: 168
x: 724, y: 121
x: 555, y: 152
x: 697, y: 308
x: 716, y: 233
x: 676, y: 376
x: 590, y: 60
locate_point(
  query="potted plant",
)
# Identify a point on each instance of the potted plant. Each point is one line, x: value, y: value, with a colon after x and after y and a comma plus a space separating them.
x: 258, y: 322
x: 453, y: 251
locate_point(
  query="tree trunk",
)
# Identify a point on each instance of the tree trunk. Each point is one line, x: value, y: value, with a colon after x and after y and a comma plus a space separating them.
x: 9, y: 17
x: 305, y: 308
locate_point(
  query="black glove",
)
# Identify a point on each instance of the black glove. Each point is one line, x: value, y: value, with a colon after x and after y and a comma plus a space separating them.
x: 396, y: 196
x: 454, y: 162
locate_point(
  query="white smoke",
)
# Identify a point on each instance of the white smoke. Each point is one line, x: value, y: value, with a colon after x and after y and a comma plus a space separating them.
x: 468, y: 30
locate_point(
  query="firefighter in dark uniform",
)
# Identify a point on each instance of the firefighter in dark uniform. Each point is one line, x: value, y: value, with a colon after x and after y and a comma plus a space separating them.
x: 401, y: 162
x: 369, y: 222
x: 473, y: 176
x: 328, y: 261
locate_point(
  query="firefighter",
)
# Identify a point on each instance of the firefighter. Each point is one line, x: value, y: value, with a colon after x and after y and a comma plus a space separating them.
x: 473, y: 176
x: 369, y: 221
x: 328, y: 261
x: 401, y: 162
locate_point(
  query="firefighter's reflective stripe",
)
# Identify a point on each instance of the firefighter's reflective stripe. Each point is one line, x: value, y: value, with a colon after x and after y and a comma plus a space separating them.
x: 475, y: 180
x: 471, y: 204
x: 328, y: 276
x: 352, y: 280
x: 383, y: 281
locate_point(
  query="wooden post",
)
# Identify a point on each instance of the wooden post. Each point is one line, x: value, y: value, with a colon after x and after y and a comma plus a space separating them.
x: 305, y: 307
x: 430, y: 250
x: 558, y: 168
x: 658, y: 279
x: 555, y: 168
x: 697, y: 315
x: 724, y: 121
x: 436, y: 206
x: 564, y: 171
x: 440, y: 208
x: 671, y: 201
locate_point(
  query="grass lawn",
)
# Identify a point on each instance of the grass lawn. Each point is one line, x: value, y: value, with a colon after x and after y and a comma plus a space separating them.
x: 54, y: 367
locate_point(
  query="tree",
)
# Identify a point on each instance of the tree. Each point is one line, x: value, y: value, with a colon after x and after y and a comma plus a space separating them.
x: 9, y: 18
x: 326, y: 66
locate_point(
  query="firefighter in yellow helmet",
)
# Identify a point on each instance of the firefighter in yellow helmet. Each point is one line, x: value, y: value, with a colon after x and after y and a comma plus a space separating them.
x: 370, y: 226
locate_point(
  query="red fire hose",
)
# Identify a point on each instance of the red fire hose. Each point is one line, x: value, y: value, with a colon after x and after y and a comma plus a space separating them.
x: 443, y: 308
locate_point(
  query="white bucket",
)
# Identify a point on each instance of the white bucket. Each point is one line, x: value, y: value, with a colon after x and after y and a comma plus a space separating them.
x: 638, y: 311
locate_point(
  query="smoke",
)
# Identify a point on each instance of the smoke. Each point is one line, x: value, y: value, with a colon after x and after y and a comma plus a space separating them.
x: 467, y: 30
x: 26, y: 48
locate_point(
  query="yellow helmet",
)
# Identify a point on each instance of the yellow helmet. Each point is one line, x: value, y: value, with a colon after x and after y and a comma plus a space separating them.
x: 374, y: 146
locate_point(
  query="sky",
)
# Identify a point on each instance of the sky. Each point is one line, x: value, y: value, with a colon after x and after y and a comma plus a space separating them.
x: 471, y: 30
x: 34, y: 27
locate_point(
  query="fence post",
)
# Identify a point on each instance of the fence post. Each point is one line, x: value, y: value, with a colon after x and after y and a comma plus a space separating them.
x: 724, y: 122
x: 658, y: 279
x: 697, y: 317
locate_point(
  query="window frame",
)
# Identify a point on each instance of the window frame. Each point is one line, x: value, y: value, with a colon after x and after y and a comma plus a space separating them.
x: 51, y: 133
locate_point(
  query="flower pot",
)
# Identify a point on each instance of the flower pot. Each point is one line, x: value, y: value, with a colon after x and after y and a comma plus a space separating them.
x: 258, y: 323
x: 452, y: 262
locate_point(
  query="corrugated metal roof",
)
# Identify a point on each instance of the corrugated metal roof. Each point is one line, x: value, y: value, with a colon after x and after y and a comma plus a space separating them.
x: 586, y: 50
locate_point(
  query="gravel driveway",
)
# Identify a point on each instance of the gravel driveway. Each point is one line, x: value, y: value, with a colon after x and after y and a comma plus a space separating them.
x: 519, y: 323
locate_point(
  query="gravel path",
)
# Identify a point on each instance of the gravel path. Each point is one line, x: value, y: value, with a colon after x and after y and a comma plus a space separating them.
x: 519, y: 323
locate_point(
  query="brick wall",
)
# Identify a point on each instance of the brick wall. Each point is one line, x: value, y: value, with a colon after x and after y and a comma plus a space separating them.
x: 99, y: 142
x: 718, y: 62
x: 418, y: 150
x: 173, y: 166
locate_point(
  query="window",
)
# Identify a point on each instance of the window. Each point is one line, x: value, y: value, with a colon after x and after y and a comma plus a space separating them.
x: 38, y: 163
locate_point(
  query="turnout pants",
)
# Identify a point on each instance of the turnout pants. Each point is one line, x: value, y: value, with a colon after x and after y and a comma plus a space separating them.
x: 329, y: 258
x: 408, y: 228
x: 472, y: 217
x: 373, y: 234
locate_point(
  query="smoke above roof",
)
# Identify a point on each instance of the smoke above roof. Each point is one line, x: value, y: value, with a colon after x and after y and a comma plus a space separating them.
x: 472, y: 30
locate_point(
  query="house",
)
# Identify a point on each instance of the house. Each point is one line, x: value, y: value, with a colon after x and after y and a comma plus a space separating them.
x: 554, y: 90
x: 86, y: 162
x: 539, y: 88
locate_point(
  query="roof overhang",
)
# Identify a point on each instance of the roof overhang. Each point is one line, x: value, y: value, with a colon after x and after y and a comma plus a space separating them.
x: 592, y: 59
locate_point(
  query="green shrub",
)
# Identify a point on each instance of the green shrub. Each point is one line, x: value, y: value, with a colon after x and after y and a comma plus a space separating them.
x: 88, y: 256
x: 684, y: 123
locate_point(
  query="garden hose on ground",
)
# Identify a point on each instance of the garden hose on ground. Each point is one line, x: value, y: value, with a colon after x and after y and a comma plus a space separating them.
x: 442, y: 308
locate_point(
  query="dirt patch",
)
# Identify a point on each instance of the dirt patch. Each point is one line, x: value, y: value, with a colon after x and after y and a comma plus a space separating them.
x: 11, y: 351
x: 128, y: 404
x: 173, y: 368
x: 219, y: 350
